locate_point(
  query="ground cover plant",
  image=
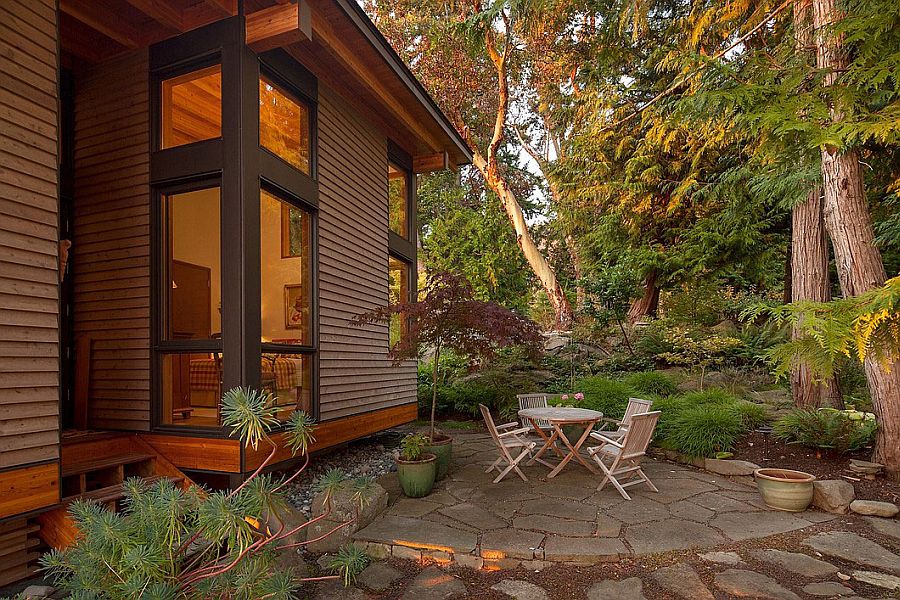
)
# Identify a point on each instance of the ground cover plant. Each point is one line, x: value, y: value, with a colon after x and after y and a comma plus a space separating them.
x: 168, y: 543
x: 827, y: 430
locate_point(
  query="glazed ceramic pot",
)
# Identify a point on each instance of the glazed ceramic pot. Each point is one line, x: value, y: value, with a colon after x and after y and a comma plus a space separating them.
x: 784, y: 489
x: 442, y: 448
x: 417, y: 476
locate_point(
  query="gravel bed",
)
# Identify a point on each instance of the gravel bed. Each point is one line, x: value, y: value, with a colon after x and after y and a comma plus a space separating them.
x: 371, y: 457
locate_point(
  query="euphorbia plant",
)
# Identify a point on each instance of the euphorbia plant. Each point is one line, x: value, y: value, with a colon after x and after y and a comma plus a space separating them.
x: 169, y: 543
x: 448, y: 317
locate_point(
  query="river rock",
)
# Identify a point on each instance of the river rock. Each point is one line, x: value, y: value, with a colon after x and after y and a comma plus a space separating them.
x: 873, y: 508
x: 833, y: 495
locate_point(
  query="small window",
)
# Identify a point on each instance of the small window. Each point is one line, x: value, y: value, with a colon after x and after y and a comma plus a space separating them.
x: 283, y: 125
x: 398, y: 200
x: 191, y: 388
x: 192, y: 107
x: 285, y: 272
x: 193, y: 265
x: 398, y: 292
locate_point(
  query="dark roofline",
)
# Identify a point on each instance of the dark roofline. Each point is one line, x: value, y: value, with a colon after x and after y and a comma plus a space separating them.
x: 362, y: 21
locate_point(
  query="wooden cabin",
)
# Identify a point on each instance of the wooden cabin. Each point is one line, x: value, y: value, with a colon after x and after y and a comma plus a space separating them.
x: 195, y: 195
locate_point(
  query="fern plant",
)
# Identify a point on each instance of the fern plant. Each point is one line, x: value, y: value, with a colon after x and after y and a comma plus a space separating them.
x: 827, y: 429
x: 171, y: 543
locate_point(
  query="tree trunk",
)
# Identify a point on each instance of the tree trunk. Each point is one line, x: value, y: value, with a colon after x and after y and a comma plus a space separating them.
x: 849, y: 224
x: 532, y: 253
x: 809, y: 274
x: 647, y: 304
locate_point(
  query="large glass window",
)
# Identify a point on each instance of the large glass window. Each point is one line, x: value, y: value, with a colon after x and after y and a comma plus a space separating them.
x: 398, y: 291
x: 283, y: 125
x: 191, y: 108
x: 398, y: 200
x: 286, y: 303
x: 191, y: 381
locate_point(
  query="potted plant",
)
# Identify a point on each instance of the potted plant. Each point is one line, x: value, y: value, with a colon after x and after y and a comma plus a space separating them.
x: 416, y: 468
x: 784, y: 489
x: 448, y: 317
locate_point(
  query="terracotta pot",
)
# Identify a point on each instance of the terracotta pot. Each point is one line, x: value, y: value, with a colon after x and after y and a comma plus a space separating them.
x: 417, y: 476
x: 442, y: 448
x: 784, y: 489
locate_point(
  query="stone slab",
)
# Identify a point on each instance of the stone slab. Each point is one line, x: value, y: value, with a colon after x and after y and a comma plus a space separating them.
x: 872, y: 508
x: 555, y: 525
x: 888, y: 527
x: 882, y: 580
x: 854, y: 548
x: 801, y: 564
x: 510, y: 543
x: 473, y: 515
x: 749, y: 584
x: 434, y: 584
x: 722, y: 558
x: 378, y: 576
x: 671, y: 534
x: 627, y: 589
x: 682, y: 581
x: 520, y: 590
x: 559, y: 507
x: 583, y: 550
x: 829, y: 589
x: 638, y: 510
x: 730, y: 467
x: 738, y: 526
x: 404, y: 531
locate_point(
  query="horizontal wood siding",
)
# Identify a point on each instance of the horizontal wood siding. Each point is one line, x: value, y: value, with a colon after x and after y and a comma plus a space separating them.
x: 29, y: 236
x: 355, y: 373
x: 111, y: 251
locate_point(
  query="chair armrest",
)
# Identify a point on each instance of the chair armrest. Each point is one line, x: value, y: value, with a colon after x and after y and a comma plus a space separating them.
x: 514, y: 432
x: 602, y: 438
x: 611, y: 420
x: 508, y: 425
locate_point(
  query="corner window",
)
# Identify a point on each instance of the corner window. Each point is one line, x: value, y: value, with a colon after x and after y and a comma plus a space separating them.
x: 286, y: 303
x: 398, y: 291
x: 284, y: 125
x: 398, y: 200
x: 191, y: 108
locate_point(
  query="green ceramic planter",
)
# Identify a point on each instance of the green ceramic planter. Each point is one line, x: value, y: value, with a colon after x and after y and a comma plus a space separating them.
x: 417, y: 476
x: 784, y: 489
x: 442, y: 448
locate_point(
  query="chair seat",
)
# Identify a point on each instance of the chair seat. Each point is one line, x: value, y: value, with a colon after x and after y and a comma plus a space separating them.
x: 516, y: 443
x: 607, y: 449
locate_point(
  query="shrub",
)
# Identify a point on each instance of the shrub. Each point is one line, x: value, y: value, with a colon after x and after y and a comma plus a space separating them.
x: 752, y: 414
x: 696, y: 350
x: 624, y: 363
x: 652, y: 383
x: 605, y: 395
x: 704, y: 430
x: 710, y: 396
x: 827, y: 429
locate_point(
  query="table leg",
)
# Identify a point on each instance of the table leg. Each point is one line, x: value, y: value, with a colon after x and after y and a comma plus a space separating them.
x: 573, y: 450
x: 548, y: 443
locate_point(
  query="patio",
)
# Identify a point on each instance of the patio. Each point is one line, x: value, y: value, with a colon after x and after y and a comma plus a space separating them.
x: 475, y: 523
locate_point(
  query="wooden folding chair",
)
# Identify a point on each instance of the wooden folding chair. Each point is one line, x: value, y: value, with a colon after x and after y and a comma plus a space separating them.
x: 534, y: 401
x: 636, y: 406
x: 507, y: 438
x: 625, y: 456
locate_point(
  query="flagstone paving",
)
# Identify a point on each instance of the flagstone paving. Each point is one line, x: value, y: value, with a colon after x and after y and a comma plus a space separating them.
x: 568, y: 517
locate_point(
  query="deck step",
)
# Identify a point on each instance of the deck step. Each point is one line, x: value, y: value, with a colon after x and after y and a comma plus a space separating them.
x: 117, y: 491
x: 87, y: 466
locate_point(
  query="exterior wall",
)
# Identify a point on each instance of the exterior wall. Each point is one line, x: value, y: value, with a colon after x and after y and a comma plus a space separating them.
x: 111, y: 250
x: 355, y: 373
x: 29, y: 276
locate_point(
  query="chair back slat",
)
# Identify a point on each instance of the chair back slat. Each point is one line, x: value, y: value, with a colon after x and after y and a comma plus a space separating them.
x: 640, y: 432
x: 635, y: 406
x: 489, y: 423
x: 533, y: 401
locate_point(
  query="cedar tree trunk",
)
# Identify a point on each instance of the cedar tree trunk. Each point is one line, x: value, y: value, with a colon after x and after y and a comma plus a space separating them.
x: 809, y: 276
x: 849, y: 223
x: 646, y: 304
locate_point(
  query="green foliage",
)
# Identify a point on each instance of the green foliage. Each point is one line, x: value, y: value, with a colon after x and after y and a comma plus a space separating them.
x: 623, y: 363
x: 608, y: 295
x: 191, y: 544
x: 700, y: 304
x: 349, y: 561
x: 704, y: 430
x: 752, y: 414
x: 757, y: 341
x: 698, y: 351
x: 412, y: 446
x: 827, y: 429
x: 608, y: 396
x: 651, y: 383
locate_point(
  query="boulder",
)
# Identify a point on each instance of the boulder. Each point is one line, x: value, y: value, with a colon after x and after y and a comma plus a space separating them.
x: 343, y: 508
x: 864, y: 467
x: 873, y: 508
x: 730, y: 467
x: 38, y: 592
x: 833, y: 495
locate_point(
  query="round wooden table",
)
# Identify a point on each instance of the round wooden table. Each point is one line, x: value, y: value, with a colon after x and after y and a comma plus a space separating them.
x: 559, y: 417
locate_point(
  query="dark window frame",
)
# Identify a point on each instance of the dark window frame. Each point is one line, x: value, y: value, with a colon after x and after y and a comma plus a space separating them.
x: 241, y: 168
x: 403, y: 248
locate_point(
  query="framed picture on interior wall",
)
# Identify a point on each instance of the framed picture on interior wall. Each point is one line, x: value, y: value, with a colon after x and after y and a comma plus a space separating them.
x: 291, y: 232
x: 293, y: 306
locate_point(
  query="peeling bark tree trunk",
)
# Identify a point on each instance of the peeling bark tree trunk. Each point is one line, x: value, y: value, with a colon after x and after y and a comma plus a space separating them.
x: 809, y: 276
x: 647, y: 304
x: 849, y: 223
x: 542, y: 269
